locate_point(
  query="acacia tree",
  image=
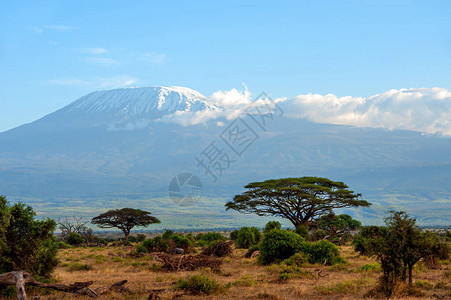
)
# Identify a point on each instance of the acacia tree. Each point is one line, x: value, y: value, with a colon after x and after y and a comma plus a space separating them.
x: 300, y: 200
x: 398, y: 247
x: 124, y: 219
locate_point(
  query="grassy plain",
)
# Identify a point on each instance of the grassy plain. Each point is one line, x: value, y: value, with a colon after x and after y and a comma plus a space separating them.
x: 239, y: 277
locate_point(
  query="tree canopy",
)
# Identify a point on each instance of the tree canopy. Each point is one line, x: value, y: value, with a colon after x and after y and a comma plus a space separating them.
x: 398, y: 247
x: 124, y: 219
x: 300, y: 200
x: 25, y: 243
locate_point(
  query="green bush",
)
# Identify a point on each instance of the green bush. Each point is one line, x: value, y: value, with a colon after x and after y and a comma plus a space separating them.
x: 252, y: 250
x: 198, y: 284
x: 302, y: 230
x: 63, y: 245
x: 137, y: 238
x: 424, y: 284
x: 217, y: 248
x: 207, y: 238
x: 79, y: 267
x: 248, y: 236
x: 74, y: 239
x: 182, y: 242
x: 148, y: 245
x: 374, y: 267
x: 140, y: 237
x: 272, y: 225
x: 278, y: 245
x: 234, y: 235
x: 25, y: 243
x: 157, y: 244
x: 322, y: 251
x: 167, y: 234
x: 360, y: 240
x: 299, y: 260
x: 161, y: 245
x: 141, y: 249
x: 317, y: 234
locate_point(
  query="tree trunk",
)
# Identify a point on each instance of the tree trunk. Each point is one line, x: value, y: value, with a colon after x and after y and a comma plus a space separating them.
x: 410, y: 274
x: 127, y: 233
x: 18, y: 279
x: 20, y: 285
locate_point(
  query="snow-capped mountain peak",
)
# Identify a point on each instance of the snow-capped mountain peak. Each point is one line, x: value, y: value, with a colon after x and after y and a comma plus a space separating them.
x: 150, y: 101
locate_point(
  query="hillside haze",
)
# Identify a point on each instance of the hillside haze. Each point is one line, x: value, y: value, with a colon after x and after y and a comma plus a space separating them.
x: 117, y: 148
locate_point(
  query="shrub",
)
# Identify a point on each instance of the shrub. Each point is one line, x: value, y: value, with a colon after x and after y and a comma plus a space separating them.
x: 322, y: 251
x: 74, y: 238
x: 137, y: 238
x: 209, y: 237
x: 424, y: 284
x: 63, y: 245
x: 252, y: 250
x: 374, y: 267
x: 299, y: 260
x: 198, y: 284
x: 25, y: 243
x: 302, y: 230
x: 148, y: 245
x: 245, y: 280
x: 161, y: 245
x: 140, y: 237
x: 234, y: 235
x: 167, y: 234
x: 218, y: 248
x: 182, y: 242
x: 272, y: 225
x: 360, y: 240
x: 141, y: 249
x: 317, y: 234
x: 79, y: 267
x: 247, y: 237
x: 278, y: 245
x: 213, y: 236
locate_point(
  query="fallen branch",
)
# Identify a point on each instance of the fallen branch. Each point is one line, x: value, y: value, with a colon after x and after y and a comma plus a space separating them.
x: 20, y: 279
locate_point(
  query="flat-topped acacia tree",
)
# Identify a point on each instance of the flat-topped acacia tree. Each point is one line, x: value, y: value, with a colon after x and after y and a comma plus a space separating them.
x: 300, y: 200
x: 124, y: 219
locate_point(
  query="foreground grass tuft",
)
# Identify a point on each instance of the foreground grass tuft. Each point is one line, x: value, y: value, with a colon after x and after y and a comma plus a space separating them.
x: 198, y: 284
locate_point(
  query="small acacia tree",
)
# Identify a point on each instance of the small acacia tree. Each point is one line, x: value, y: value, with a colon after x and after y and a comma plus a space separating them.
x: 398, y: 247
x: 300, y: 200
x: 124, y: 219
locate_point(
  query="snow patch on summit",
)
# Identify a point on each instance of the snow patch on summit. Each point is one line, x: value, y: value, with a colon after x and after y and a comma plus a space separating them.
x: 148, y: 101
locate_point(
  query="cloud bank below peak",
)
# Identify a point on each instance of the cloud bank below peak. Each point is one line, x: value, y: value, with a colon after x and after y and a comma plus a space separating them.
x: 426, y: 110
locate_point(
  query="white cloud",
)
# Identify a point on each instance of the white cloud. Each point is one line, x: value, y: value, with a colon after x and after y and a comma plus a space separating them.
x: 425, y: 110
x: 228, y: 104
x: 115, y: 82
x: 36, y: 29
x: 94, y: 51
x: 58, y: 28
x: 101, y: 61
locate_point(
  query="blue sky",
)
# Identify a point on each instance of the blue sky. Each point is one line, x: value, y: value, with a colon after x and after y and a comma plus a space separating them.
x: 53, y: 52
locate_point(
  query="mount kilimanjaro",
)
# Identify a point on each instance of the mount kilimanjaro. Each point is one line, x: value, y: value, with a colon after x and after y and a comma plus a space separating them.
x: 116, y: 148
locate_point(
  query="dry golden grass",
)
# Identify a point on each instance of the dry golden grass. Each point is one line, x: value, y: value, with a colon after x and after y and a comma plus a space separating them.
x: 240, y: 278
